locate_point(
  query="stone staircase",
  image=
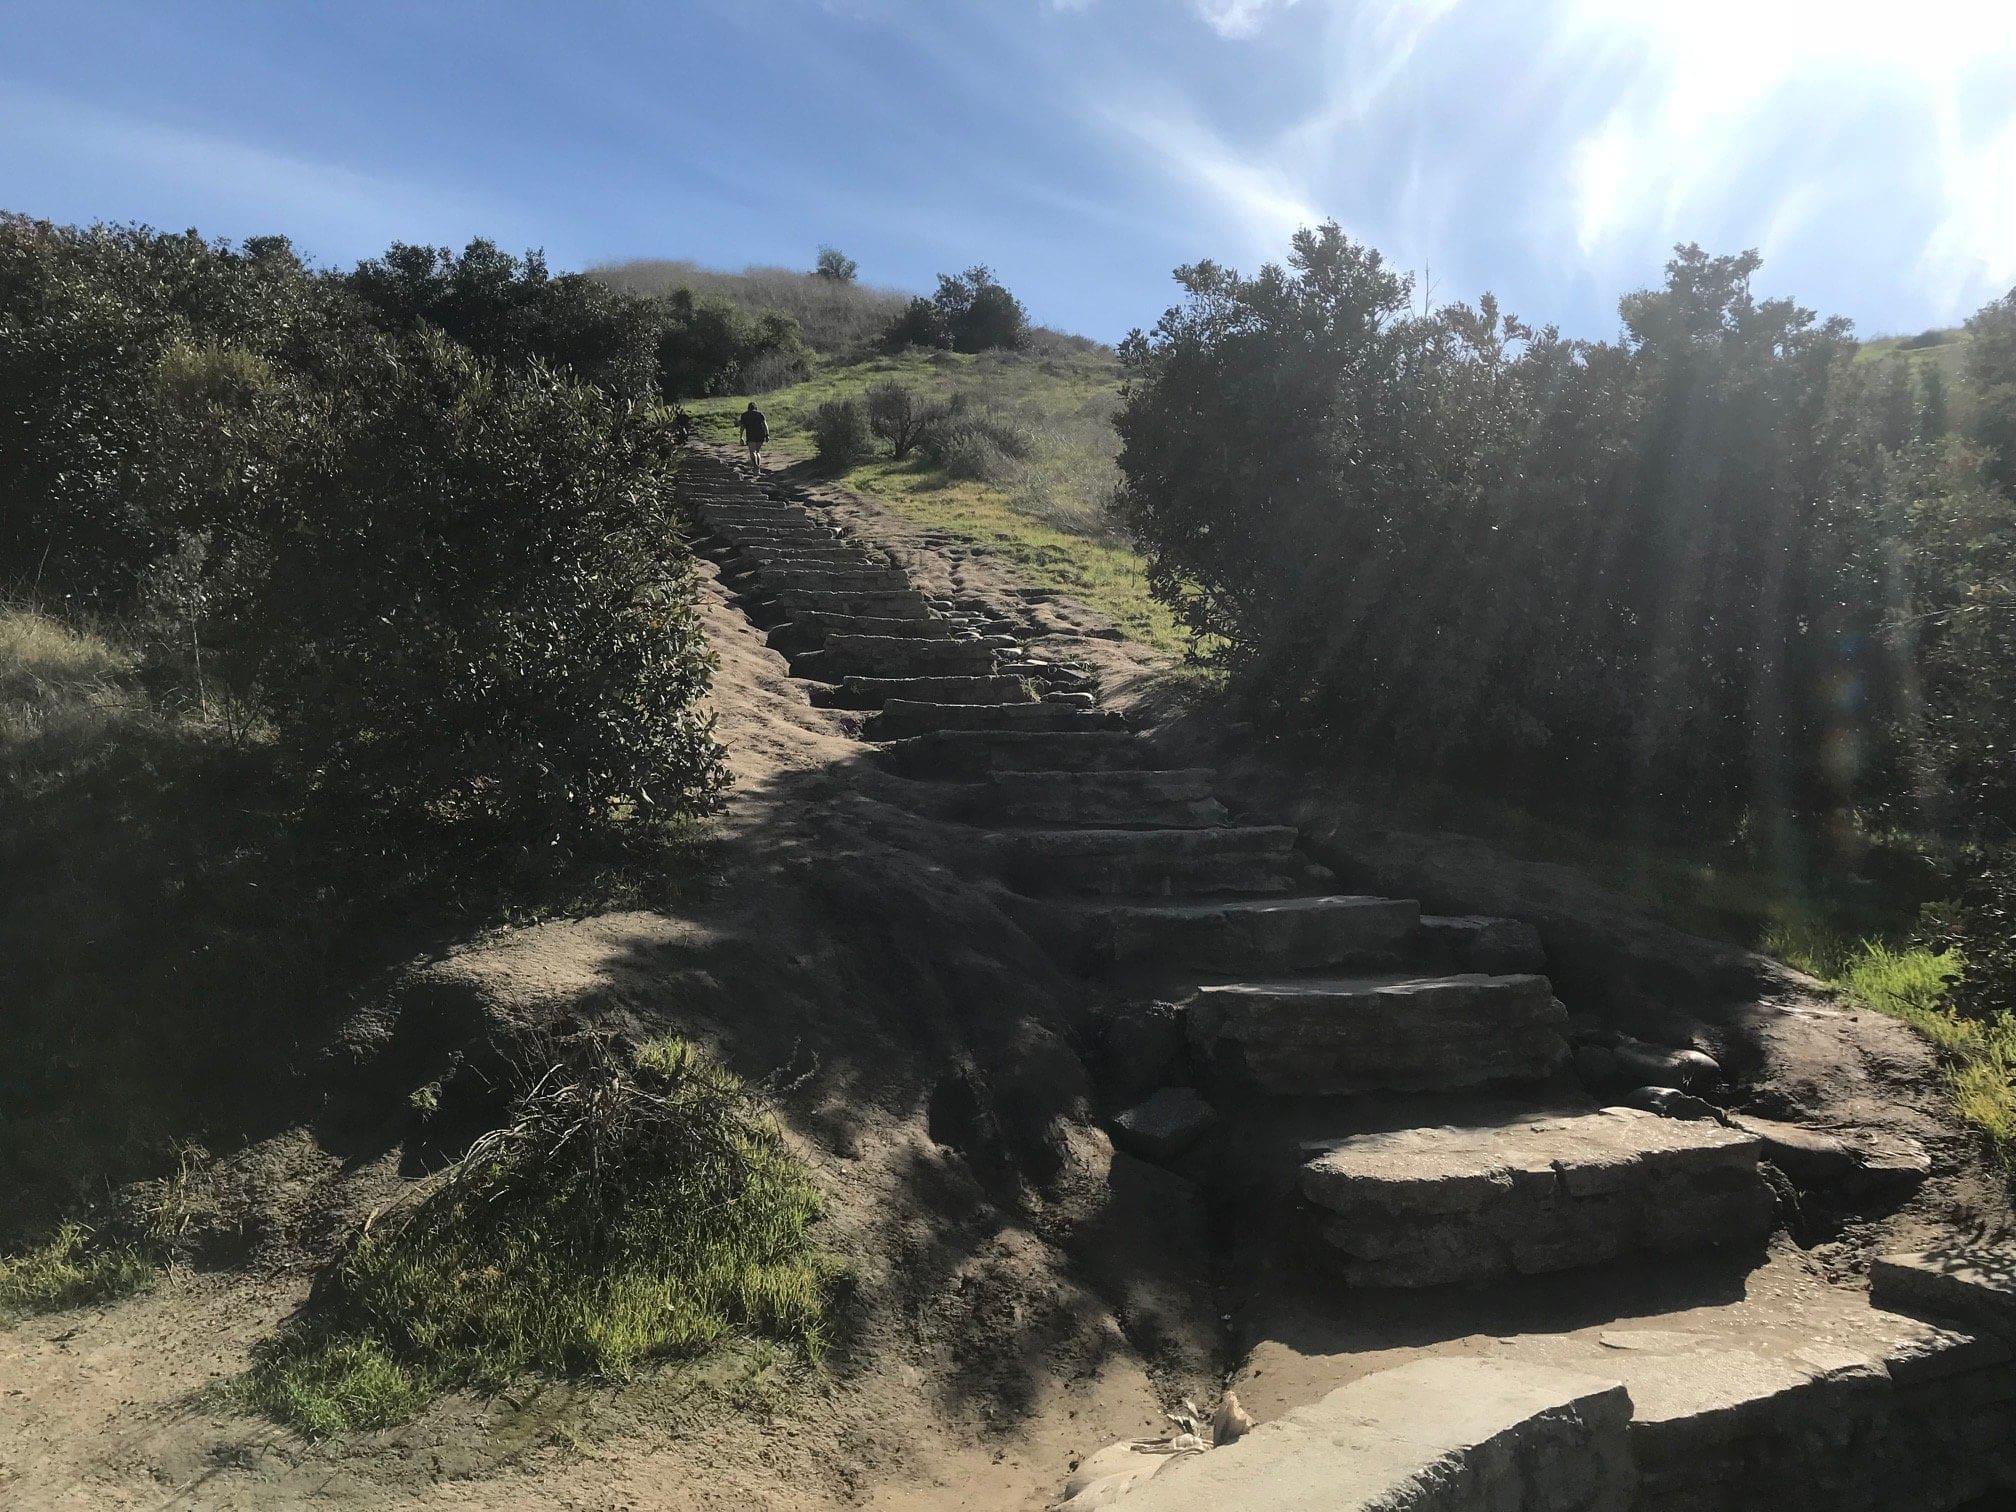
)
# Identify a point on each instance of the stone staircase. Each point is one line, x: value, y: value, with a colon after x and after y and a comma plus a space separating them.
x: 1288, y: 991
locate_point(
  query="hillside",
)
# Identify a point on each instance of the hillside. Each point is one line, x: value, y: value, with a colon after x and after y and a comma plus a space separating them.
x: 1033, y: 488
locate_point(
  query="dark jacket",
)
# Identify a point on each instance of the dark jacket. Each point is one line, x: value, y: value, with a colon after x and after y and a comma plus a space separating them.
x: 753, y: 426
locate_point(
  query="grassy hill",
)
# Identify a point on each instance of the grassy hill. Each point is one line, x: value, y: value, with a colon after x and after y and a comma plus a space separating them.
x: 1945, y: 349
x: 1040, y: 503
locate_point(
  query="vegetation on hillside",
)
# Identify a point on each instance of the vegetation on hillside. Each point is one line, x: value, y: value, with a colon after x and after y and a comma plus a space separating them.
x: 1017, y: 456
x: 636, y: 1205
x: 1717, y: 576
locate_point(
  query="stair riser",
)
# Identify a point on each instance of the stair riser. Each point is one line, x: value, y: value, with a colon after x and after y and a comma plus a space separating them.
x: 900, y: 723
x: 1052, y: 753
x: 1268, y: 943
x: 1097, y: 876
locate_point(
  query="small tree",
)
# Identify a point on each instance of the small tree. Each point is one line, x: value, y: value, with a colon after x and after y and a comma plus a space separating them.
x: 979, y: 314
x: 898, y: 416
x: 922, y: 324
x: 840, y: 433
x: 835, y: 266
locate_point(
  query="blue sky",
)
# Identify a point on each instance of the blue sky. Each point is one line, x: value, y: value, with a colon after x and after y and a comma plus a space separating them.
x: 1549, y: 150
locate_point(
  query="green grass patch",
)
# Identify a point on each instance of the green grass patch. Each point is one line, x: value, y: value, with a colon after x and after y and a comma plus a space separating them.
x: 637, y: 1207
x: 71, y: 1270
x: 1044, y: 514
x: 1913, y: 983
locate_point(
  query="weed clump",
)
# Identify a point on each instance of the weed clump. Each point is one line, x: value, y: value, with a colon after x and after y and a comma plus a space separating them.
x: 637, y: 1206
x: 69, y: 1271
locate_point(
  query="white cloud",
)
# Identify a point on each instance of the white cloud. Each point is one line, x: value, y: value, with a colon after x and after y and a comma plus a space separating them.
x: 1238, y: 18
x: 1970, y: 256
x: 1263, y: 198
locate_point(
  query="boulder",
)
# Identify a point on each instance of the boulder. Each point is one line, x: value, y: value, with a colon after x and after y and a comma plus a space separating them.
x: 1165, y: 1124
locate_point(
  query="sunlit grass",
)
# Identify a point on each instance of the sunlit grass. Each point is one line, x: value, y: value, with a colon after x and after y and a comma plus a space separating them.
x: 1913, y: 983
x: 70, y: 1270
x: 1046, y: 518
x: 635, y: 1208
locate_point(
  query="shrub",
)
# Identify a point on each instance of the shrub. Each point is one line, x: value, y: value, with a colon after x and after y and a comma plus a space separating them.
x: 899, y: 416
x: 974, y: 446
x: 634, y: 1207
x: 921, y: 324
x: 471, y: 626
x: 835, y: 266
x: 840, y: 433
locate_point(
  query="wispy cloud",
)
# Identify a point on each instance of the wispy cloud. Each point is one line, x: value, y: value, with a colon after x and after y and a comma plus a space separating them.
x: 1238, y: 18
x: 1261, y: 198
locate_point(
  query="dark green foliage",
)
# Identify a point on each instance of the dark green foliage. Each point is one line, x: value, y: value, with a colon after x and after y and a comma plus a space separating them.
x: 836, y: 266
x: 1614, y: 570
x: 710, y: 346
x: 979, y: 314
x: 1991, y: 379
x: 469, y: 624
x: 384, y: 508
x: 513, y: 311
x: 971, y: 312
x: 921, y: 324
x: 634, y: 1207
x: 840, y: 433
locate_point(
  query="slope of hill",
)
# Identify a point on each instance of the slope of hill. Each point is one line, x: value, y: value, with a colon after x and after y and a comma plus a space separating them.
x: 1032, y: 489
x: 835, y: 317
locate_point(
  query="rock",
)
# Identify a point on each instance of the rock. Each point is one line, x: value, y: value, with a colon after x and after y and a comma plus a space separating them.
x: 1230, y: 1422
x: 1656, y: 1064
x: 1670, y: 1102
x: 1142, y: 1046
x: 1165, y: 1124
x: 1428, y: 1206
x: 1364, y: 1033
x: 1480, y: 943
x: 1432, y: 1436
x: 1806, y: 1155
x: 1972, y: 1284
x: 1102, y: 1479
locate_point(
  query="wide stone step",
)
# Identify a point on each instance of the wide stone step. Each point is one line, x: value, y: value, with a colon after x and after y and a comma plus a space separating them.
x: 1535, y: 1193
x: 814, y: 558
x: 1285, y: 934
x: 893, y: 656
x: 1147, y: 863
x: 808, y: 631
x: 1167, y: 798
x: 1430, y: 1436
x: 851, y: 580
x: 873, y: 692
x: 970, y: 753
x: 1337, y: 1035
x: 899, y: 603
x: 902, y: 718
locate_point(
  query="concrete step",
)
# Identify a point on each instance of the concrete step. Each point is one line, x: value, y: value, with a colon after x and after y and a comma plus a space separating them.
x: 1533, y: 1193
x: 1243, y: 934
x: 902, y: 718
x: 1390, y: 1032
x: 893, y: 656
x: 1180, y: 798
x: 873, y: 692
x: 972, y: 753
x: 808, y: 631
x: 900, y: 603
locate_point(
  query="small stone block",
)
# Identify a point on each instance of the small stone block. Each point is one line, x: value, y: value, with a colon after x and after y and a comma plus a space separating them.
x: 1165, y: 1124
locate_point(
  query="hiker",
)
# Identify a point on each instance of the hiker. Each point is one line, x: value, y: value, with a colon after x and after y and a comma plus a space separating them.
x: 682, y: 425
x: 755, y: 431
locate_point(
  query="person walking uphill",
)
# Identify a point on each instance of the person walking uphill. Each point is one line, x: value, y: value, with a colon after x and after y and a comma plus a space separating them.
x: 755, y: 431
